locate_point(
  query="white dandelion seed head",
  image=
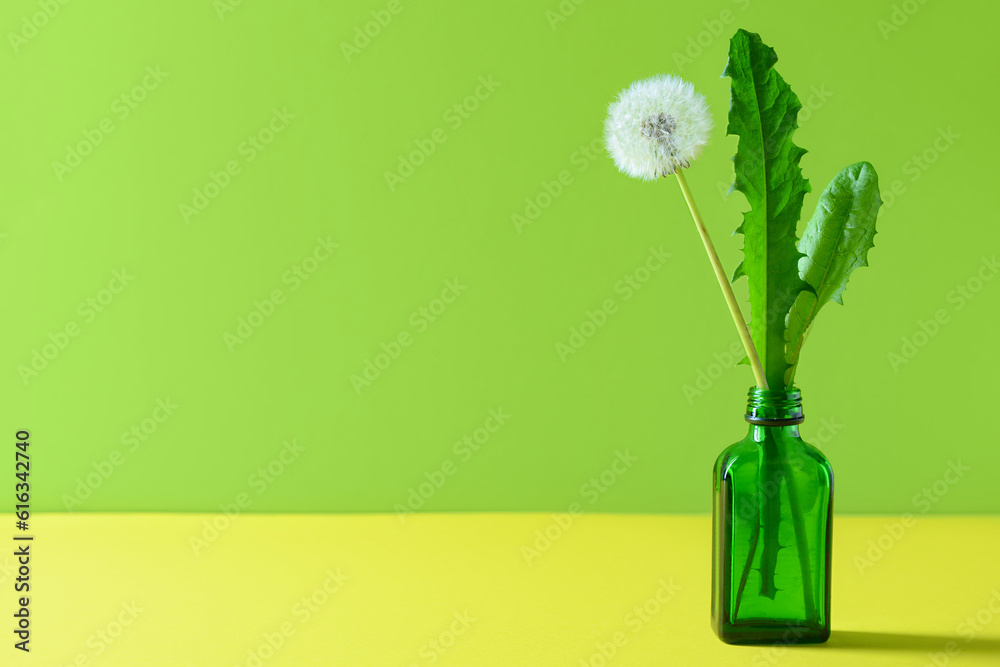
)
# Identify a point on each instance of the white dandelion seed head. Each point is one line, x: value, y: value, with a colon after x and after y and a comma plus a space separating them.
x: 656, y: 126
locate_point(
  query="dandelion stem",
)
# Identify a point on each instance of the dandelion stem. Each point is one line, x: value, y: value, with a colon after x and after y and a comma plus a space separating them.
x: 727, y: 290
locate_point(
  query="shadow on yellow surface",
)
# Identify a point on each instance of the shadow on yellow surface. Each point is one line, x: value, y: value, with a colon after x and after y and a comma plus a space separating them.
x: 920, y: 643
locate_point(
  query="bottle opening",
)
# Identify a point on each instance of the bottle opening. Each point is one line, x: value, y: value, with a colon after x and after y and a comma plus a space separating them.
x: 774, y: 407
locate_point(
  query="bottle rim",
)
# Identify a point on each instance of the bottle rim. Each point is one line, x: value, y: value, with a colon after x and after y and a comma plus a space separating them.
x: 774, y: 407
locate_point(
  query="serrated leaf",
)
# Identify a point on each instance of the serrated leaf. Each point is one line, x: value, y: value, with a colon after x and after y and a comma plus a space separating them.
x: 836, y: 241
x: 763, y: 113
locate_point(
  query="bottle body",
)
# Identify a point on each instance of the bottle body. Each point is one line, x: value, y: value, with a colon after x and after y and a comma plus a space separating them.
x: 772, y: 530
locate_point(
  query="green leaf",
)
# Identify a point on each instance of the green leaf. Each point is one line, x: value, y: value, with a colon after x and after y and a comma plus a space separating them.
x: 836, y: 241
x: 763, y: 113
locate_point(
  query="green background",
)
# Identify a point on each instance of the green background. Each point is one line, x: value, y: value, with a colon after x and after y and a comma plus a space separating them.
x: 870, y: 94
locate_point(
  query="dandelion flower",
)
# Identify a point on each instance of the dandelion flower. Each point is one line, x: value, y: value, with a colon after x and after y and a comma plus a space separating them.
x: 657, y: 126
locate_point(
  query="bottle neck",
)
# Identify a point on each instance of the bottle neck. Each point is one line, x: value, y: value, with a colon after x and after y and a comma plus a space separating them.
x: 774, y: 410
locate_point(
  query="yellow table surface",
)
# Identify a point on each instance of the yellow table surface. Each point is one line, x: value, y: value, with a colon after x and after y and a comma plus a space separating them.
x: 457, y: 589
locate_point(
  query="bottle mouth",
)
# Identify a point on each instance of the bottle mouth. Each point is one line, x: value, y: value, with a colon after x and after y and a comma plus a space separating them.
x: 782, y: 407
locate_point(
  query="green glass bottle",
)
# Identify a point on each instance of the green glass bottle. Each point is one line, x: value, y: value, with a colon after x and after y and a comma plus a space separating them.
x: 772, y: 528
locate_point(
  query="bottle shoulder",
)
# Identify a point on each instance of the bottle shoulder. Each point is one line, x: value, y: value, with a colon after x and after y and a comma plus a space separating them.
x: 748, y: 451
x: 738, y: 453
